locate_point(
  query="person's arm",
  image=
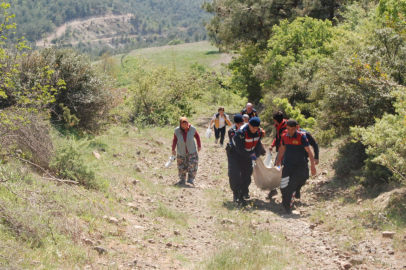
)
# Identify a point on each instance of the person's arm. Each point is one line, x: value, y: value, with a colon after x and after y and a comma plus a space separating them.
x: 280, y: 155
x: 315, y: 146
x: 312, y: 165
x: 213, y: 119
x: 313, y: 143
x: 231, y: 133
x: 174, y: 143
x: 228, y: 121
x: 199, y: 145
x: 258, y: 149
x: 211, y: 122
x: 272, y: 145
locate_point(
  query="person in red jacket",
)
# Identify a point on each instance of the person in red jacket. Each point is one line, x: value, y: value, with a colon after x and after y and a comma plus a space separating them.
x: 280, y: 125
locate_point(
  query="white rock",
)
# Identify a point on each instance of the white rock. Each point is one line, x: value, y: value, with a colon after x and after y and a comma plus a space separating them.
x: 113, y: 220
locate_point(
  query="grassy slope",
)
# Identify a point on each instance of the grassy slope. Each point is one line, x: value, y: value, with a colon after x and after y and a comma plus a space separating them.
x: 159, y: 207
x: 181, y: 56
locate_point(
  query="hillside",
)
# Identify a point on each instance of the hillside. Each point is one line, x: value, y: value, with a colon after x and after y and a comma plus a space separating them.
x: 93, y: 25
x: 83, y: 177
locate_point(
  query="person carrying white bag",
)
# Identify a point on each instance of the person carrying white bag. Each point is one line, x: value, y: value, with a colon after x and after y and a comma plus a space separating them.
x: 220, y: 121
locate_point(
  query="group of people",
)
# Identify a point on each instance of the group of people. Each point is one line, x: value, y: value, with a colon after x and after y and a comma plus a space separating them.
x: 291, y: 143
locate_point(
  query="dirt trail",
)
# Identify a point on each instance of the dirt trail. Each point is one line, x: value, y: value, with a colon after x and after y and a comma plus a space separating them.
x: 152, y: 243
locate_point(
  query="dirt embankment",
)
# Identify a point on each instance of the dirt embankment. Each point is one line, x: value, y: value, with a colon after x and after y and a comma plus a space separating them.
x: 87, y: 28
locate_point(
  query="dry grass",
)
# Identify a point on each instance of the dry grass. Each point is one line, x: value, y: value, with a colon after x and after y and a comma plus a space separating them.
x: 31, y: 136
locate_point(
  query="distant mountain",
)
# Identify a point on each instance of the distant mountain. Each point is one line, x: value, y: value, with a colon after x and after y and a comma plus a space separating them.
x: 166, y: 19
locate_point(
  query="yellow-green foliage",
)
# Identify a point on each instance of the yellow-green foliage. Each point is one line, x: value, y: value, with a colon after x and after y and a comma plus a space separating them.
x: 291, y: 112
x: 159, y: 95
x: 385, y: 141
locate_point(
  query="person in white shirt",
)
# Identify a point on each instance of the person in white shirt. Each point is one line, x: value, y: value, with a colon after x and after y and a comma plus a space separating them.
x: 220, y: 120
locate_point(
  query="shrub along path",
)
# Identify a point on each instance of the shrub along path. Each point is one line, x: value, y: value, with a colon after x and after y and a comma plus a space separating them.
x: 169, y: 227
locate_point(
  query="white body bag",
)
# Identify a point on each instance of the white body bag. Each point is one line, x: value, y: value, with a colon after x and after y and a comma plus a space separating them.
x: 267, y: 177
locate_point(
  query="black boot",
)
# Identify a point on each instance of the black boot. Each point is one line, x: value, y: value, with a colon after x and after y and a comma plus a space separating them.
x: 235, y: 196
x: 241, y: 200
x: 297, y: 196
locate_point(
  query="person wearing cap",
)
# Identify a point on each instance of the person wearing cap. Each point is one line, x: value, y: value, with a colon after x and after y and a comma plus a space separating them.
x: 250, y: 111
x: 186, y: 151
x: 294, y: 146
x: 246, y: 118
x: 246, y: 147
x: 238, y: 123
x: 220, y: 120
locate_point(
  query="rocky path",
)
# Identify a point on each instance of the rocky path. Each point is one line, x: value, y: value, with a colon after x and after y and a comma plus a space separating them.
x: 169, y: 227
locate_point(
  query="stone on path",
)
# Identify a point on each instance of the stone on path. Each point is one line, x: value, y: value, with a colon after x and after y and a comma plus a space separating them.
x: 388, y: 234
x: 113, y: 220
x: 346, y: 265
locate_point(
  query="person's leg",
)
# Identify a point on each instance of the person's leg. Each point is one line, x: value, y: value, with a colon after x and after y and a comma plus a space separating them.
x: 216, y: 134
x: 303, y: 180
x: 234, y: 175
x: 295, y: 176
x: 193, y: 166
x: 286, y: 187
x: 222, y: 134
x: 246, y: 177
x: 182, y: 168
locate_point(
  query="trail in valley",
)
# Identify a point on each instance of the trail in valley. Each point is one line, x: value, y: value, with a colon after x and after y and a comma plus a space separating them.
x: 153, y: 243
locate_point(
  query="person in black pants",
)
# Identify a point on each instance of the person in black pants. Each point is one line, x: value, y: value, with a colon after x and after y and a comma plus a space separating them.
x: 220, y: 120
x: 295, y: 169
x: 238, y: 122
x: 246, y: 147
x: 313, y: 143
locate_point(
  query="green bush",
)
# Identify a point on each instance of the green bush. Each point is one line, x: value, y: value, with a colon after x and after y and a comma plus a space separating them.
x: 86, y: 92
x: 160, y: 95
x: 290, y: 112
x: 325, y: 137
x: 374, y: 174
x: 385, y: 141
x: 351, y: 157
x: 69, y: 162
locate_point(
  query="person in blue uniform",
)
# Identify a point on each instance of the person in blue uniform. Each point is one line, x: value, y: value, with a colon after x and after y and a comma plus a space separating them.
x: 294, y: 147
x: 238, y: 123
x: 245, y: 147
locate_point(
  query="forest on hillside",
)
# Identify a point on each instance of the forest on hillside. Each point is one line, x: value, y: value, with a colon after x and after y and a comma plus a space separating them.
x: 37, y: 18
x: 336, y: 66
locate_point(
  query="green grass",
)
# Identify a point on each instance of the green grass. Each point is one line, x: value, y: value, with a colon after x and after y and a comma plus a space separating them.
x: 250, y: 250
x: 172, y: 214
x: 180, y: 56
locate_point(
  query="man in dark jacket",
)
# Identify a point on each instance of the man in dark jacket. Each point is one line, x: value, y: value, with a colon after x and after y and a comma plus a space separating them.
x: 238, y: 122
x: 313, y: 143
x: 246, y: 147
x: 295, y: 169
x: 249, y: 109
